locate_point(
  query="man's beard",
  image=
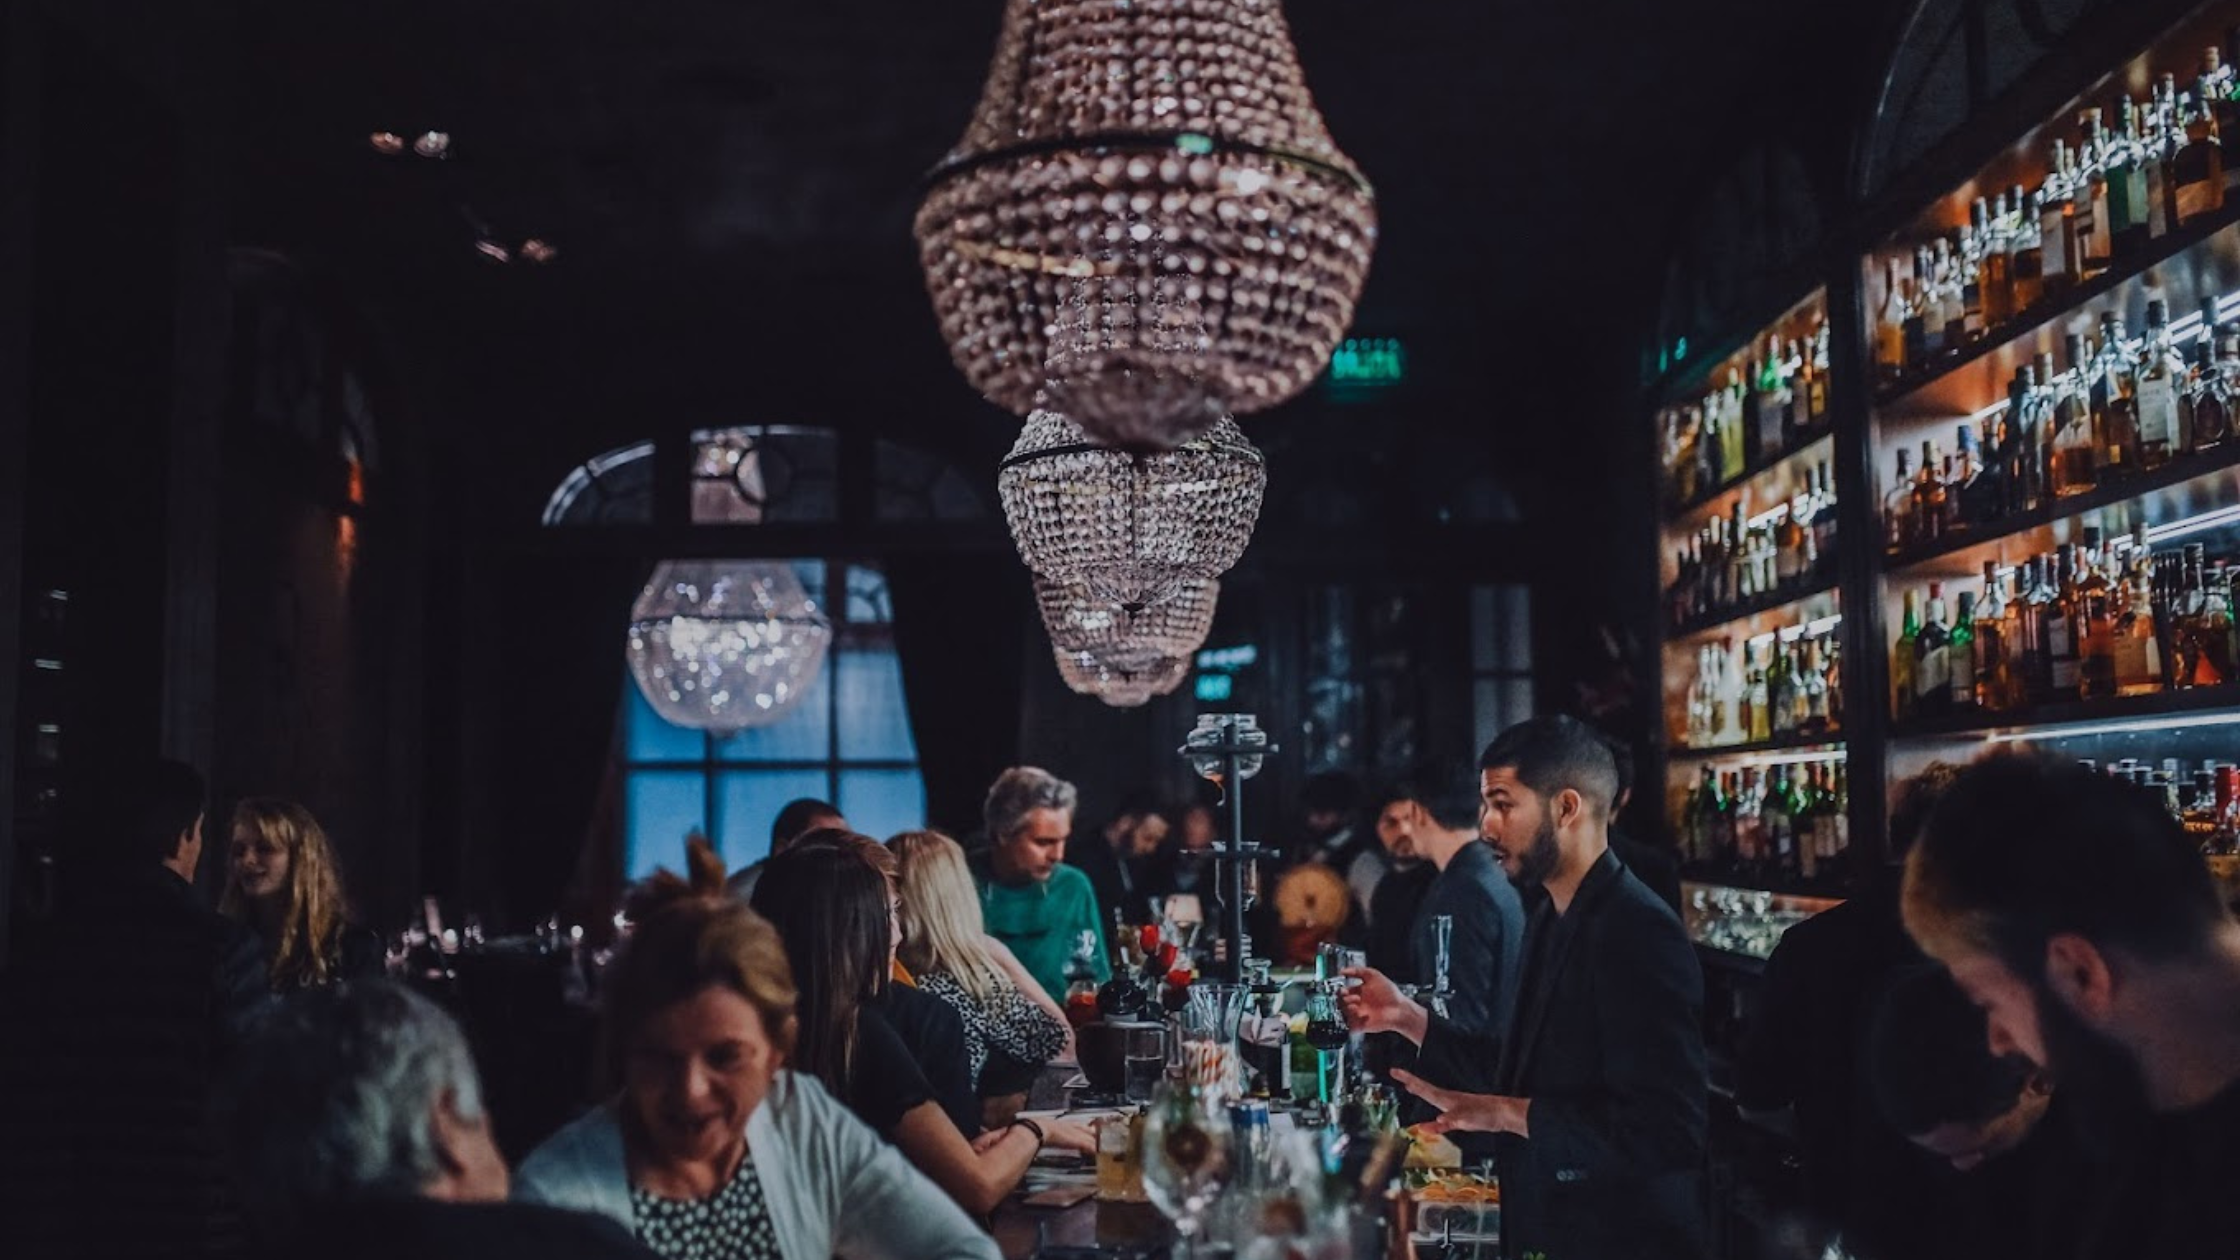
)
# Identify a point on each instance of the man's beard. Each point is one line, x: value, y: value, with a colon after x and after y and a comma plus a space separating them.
x: 1538, y: 859
x: 2097, y: 1081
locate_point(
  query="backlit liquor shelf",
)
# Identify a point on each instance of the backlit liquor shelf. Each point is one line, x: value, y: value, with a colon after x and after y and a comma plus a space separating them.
x: 2047, y: 443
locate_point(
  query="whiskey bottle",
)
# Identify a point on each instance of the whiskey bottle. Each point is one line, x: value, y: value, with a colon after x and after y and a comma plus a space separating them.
x: 1994, y: 652
x: 2158, y: 379
x: 2197, y: 168
x: 2207, y: 410
x: 2096, y: 614
x: 2137, y: 639
x: 1932, y: 665
x: 2060, y: 264
x: 1897, y: 508
x: 1890, y: 354
x: 1929, y: 497
x: 1960, y: 656
x: 2115, y: 402
x: 2129, y: 230
x: 1903, y: 656
x: 1995, y: 269
x: 2075, y: 461
x: 2092, y: 197
x: 1813, y: 716
x: 2062, y: 633
x: 2026, y: 238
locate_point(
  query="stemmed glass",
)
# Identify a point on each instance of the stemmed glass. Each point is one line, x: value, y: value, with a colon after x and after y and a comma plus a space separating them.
x: 1187, y: 1160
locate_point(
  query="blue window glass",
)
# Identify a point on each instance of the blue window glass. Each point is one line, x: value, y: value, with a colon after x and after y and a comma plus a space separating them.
x: 803, y: 734
x: 748, y: 800
x: 647, y: 738
x: 874, y: 719
x: 882, y: 802
x: 662, y: 807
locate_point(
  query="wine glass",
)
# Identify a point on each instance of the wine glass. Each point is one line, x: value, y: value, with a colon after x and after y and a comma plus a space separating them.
x: 1186, y: 1157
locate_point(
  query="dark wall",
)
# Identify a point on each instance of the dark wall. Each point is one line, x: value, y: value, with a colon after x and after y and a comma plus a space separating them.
x: 19, y: 86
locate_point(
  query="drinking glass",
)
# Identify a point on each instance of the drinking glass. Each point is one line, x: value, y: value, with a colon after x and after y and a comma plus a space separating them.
x: 1186, y: 1158
x: 1144, y: 1057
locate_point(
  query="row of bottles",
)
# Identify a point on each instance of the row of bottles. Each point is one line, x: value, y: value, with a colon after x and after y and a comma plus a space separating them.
x: 1776, y: 401
x: 1787, y: 684
x: 2120, y: 409
x: 1737, y: 559
x: 2137, y: 170
x: 2087, y: 623
x: 2205, y: 800
x: 1786, y: 821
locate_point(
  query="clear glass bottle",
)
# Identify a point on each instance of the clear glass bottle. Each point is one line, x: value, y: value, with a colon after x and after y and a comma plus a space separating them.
x: 2157, y: 383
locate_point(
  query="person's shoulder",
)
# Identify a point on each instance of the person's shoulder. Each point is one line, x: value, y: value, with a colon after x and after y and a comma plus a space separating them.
x: 1072, y: 880
x: 582, y: 1150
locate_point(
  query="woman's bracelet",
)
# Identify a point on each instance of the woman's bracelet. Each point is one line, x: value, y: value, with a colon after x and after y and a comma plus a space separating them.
x: 1030, y: 1126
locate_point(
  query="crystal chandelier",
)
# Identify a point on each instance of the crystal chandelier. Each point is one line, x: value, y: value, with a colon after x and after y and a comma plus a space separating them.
x: 1146, y: 217
x: 1122, y: 689
x: 1129, y: 640
x: 723, y: 645
x: 1130, y: 528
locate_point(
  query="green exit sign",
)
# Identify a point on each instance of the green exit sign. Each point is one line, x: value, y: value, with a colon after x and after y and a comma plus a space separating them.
x: 1368, y: 362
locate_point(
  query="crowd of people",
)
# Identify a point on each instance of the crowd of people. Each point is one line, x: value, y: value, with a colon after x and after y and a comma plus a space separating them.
x: 2024, y: 1042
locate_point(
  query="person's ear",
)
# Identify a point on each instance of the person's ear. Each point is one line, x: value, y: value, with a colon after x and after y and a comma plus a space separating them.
x: 2079, y: 975
x: 1570, y: 807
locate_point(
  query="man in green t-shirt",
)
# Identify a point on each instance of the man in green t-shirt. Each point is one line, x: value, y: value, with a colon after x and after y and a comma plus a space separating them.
x: 1033, y: 902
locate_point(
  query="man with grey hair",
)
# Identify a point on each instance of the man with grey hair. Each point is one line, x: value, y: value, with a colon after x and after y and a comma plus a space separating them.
x: 356, y: 1126
x: 1043, y: 909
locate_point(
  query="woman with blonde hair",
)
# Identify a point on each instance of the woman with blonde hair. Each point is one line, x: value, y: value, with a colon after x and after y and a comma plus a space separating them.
x: 282, y: 880
x: 1010, y: 1025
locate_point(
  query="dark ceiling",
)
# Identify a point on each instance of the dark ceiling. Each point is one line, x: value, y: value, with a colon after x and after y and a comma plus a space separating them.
x: 730, y: 184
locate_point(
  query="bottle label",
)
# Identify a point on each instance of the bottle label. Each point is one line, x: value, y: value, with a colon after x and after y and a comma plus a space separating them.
x: 2060, y: 645
x: 2199, y: 197
x: 2053, y: 249
x: 1963, y: 675
x: 2158, y: 411
x: 1933, y: 673
x: 2138, y: 662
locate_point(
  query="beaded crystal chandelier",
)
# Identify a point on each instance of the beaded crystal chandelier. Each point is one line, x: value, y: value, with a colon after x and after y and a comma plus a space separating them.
x: 1122, y: 689
x: 1129, y: 640
x: 723, y: 645
x: 1146, y: 218
x: 1129, y: 527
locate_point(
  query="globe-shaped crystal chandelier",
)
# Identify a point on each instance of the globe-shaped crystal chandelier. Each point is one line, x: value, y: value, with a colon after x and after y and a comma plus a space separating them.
x: 1129, y: 640
x: 1146, y: 218
x: 724, y: 645
x: 1122, y: 689
x: 1130, y: 527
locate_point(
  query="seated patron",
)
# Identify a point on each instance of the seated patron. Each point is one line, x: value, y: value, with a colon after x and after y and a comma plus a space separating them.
x: 713, y: 1144
x: 1033, y: 902
x: 357, y: 1130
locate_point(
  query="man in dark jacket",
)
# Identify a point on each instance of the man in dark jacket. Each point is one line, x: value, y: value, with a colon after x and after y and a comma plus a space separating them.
x: 112, y: 1032
x: 1598, y: 1090
x: 1485, y: 948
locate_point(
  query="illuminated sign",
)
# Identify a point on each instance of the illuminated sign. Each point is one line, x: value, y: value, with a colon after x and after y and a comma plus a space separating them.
x: 1216, y: 686
x: 1368, y: 362
x: 1228, y: 658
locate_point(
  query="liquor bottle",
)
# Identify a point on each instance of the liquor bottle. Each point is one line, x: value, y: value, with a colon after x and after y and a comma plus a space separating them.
x: 1831, y: 662
x: 2129, y: 230
x: 2091, y: 193
x: 2150, y: 139
x: 1994, y: 648
x: 1995, y: 268
x: 2063, y: 633
x: 1953, y: 291
x: 1921, y: 340
x: 1729, y: 719
x: 1814, y: 717
x: 1960, y: 655
x: 2075, y: 462
x: 1081, y: 980
x: 1816, y: 385
x: 2096, y: 622
x: 1781, y: 691
x: 1749, y: 822
x: 1929, y: 497
x: 2138, y: 641
x: 1790, y: 544
x: 1824, y: 519
x: 2115, y: 402
x: 2216, y: 90
x: 1948, y: 502
x: 1754, y: 446
x: 1897, y: 508
x: 1732, y: 460
x: 1891, y: 357
x: 2027, y: 638
x: 2034, y: 453
x: 2207, y: 405
x: 2062, y: 265
x: 1932, y: 661
x: 1780, y: 822
x: 1902, y: 658
x: 1802, y: 820
x: 1760, y: 720
x: 2027, y: 239
x: 2214, y: 661
x: 1792, y: 392
x: 1970, y: 258
x: 1968, y: 488
x: 2156, y: 387
x: 2197, y: 172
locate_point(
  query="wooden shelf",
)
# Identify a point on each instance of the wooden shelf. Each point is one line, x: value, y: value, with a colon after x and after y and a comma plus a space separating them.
x: 2186, y: 486
x: 2048, y: 721
x: 2160, y: 253
x: 1678, y: 512
x: 1701, y: 627
x: 1781, y: 743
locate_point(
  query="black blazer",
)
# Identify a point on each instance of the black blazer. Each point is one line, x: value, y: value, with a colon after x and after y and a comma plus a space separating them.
x: 1612, y: 1060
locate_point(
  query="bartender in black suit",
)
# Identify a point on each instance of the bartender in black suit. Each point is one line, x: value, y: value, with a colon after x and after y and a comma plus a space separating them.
x: 1597, y: 1090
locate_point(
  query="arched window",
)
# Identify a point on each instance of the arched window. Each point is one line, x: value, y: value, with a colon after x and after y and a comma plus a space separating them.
x: 849, y: 740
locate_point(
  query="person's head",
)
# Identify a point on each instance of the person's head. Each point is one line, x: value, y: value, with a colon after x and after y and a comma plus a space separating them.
x: 942, y: 929
x: 1329, y: 800
x: 1545, y: 786
x: 1029, y: 815
x: 1911, y: 801
x: 356, y: 1091
x: 1448, y: 814
x: 800, y: 817
x: 280, y: 871
x: 1137, y: 830
x: 2057, y: 897
x: 1399, y: 818
x: 1197, y: 827
x: 1935, y: 1079
x: 699, y: 1016
x: 162, y: 819
x: 832, y: 903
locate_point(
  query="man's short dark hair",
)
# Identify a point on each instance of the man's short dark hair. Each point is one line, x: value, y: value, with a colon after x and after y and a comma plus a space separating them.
x: 160, y: 807
x: 1929, y: 1059
x: 1554, y: 752
x: 2022, y: 848
x: 1452, y: 802
x: 1391, y: 792
x: 796, y: 820
x: 1621, y: 761
x: 1912, y: 801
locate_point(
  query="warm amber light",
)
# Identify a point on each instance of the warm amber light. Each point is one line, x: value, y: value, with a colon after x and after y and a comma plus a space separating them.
x: 387, y: 143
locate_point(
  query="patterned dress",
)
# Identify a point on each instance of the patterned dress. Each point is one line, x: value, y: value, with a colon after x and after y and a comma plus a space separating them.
x: 731, y: 1224
x: 1010, y: 1022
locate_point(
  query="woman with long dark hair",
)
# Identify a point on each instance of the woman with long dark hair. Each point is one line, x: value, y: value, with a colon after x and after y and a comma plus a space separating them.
x: 835, y: 911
